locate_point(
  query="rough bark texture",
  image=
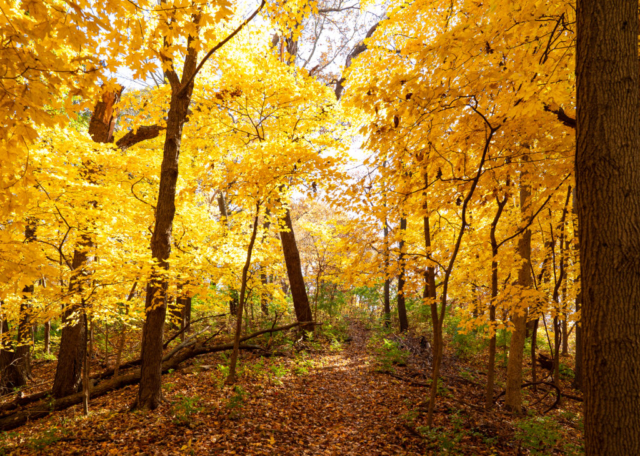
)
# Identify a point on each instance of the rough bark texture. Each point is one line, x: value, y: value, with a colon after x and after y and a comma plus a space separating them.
x: 150, y: 392
x: 491, y: 367
x: 578, y: 370
x: 294, y: 272
x: 72, y: 339
x: 608, y: 196
x: 513, y: 398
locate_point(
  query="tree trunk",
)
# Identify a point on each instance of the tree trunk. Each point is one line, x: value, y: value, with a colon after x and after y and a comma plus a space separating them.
x: 578, y: 370
x: 231, y: 378
x: 72, y: 347
x: 565, y: 337
x: 608, y: 196
x: 47, y: 337
x: 534, y: 341
x: 12, y: 372
x: 513, y: 398
x: 402, y: 309
x: 438, y: 315
x: 85, y: 371
x: 294, y: 272
x: 264, y: 278
x: 492, y: 307
x: 387, y: 280
x: 224, y: 216
x: 150, y: 392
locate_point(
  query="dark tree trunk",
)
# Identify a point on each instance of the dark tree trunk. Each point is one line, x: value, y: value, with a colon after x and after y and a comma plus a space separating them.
x: 231, y: 378
x: 186, y: 313
x: 402, y: 308
x: 264, y: 278
x: 608, y: 196
x: 150, y: 392
x: 387, y: 280
x: 513, y: 398
x: 181, y: 308
x: 224, y: 215
x: 15, y: 367
x: 13, y: 372
x: 534, y: 341
x: 294, y: 271
x: 72, y: 338
x: 47, y: 337
x: 578, y: 370
x: 491, y: 367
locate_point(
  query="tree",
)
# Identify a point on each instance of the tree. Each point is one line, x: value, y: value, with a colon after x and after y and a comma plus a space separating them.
x: 608, y: 196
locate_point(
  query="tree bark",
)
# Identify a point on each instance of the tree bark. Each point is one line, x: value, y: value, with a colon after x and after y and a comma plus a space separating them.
x: 47, y: 337
x: 608, y: 196
x: 224, y: 215
x: 492, y: 308
x: 513, y: 398
x: 150, y: 391
x: 231, y: 378
x: 72, y: 339
x: 402, y: 309
x: 387, y: 280
x: 294, y: 272
x: 577, y: 370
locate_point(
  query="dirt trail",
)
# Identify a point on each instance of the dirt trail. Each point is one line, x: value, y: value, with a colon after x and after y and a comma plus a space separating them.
x: 330, y: 403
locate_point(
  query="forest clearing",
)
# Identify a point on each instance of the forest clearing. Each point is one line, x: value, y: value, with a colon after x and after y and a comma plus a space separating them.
x: 319, y: 227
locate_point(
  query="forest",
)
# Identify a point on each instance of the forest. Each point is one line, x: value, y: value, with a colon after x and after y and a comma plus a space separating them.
x: 319, y: 227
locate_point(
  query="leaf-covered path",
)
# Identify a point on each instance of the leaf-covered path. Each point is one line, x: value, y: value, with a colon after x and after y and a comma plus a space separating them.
x: 329, y: 402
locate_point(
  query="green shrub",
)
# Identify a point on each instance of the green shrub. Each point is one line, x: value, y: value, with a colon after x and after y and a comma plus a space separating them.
x: 236, y: 402
x: 464, y: 344
x: 49, y: 437
x: 389, y: 354
x: 538, y: 434
x: 566, y: 372
x: 184, y: 409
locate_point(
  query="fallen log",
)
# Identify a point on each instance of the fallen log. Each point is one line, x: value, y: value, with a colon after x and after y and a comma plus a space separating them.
x: 45, y: 406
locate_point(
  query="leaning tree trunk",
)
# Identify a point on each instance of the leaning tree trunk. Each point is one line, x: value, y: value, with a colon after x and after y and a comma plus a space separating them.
x: 513, y: 398
x: 294, y: 271
x: 608, y: 196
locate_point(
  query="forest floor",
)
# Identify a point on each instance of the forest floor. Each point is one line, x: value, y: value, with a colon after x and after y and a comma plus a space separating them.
x: 350, y: 398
